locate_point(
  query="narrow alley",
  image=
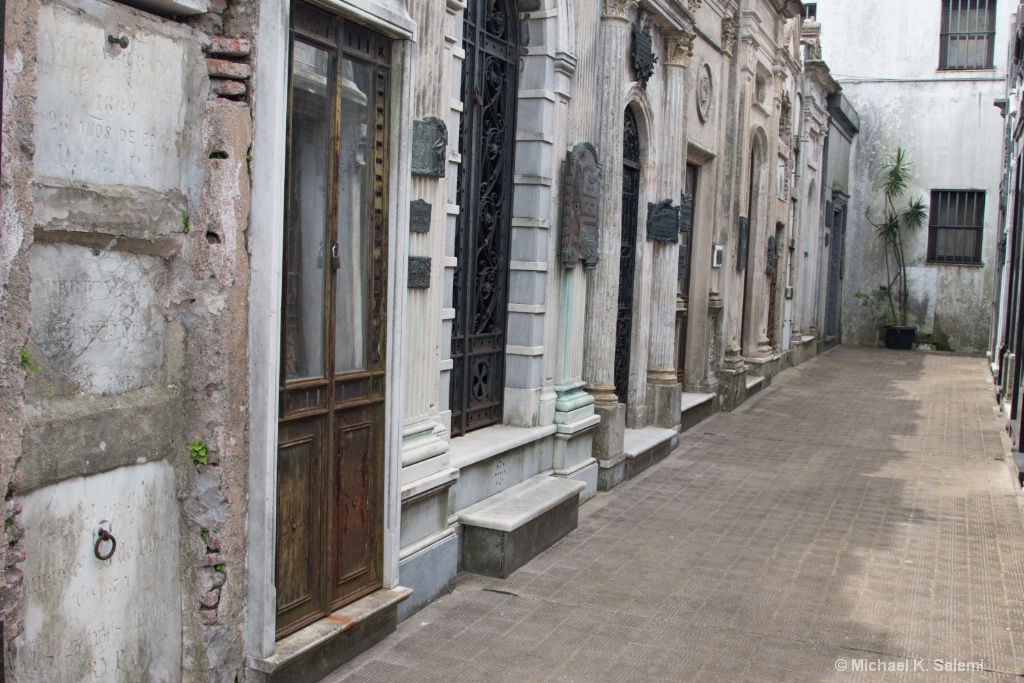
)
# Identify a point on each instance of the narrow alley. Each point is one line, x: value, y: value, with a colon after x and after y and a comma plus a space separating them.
x: 858, y: 515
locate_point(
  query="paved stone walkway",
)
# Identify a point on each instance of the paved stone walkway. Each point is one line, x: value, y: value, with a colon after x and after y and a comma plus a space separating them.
x: 858, y: 513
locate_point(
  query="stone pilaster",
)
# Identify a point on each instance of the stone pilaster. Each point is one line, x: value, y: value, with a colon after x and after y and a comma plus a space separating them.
x: 663, y: 389
x: 603, y: 286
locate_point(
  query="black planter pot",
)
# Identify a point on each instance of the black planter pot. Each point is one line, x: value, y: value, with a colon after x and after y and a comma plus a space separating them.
x: 900, y: 336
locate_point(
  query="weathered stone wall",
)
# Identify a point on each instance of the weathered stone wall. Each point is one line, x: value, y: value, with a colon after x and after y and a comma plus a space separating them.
x: 123, y: 327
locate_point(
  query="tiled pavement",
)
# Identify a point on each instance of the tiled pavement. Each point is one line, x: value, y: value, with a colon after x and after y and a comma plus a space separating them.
x: 858, y: 512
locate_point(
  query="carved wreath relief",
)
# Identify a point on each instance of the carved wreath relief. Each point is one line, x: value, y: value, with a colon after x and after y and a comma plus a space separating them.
x: 582, y: 199
x: 705, y: 89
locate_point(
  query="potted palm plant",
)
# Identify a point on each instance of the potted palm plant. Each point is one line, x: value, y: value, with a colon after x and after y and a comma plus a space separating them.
x: 889, y: 228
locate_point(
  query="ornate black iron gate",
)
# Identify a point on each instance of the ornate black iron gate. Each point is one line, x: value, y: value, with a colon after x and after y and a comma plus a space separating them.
x: 486, y: 143
x: 627, y: 253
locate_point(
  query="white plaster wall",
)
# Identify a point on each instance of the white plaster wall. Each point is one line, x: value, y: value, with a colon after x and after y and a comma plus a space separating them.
x: 886, y: 39
x: 951, y: 133
x: 886, y: 56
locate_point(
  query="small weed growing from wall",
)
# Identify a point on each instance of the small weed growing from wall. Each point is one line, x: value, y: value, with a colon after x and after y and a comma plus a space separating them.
x: 184, y: 222
x: 199, y: 454
x: 26, y: 362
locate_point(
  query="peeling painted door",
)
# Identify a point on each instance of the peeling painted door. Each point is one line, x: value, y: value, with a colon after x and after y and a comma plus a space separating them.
x: 331, y: 411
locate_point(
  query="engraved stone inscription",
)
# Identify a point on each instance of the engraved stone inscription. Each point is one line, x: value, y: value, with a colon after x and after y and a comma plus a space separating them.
x: 108, y: 115
x: 94, y: 316
x: 109, y: 621
x: 419, y: 215
x: 419, y: 272
x: 580, y: 207
x: 429, y: 147
x: 663, y: 222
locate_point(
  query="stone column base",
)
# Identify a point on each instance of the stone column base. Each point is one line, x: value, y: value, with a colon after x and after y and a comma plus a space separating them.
x: 609, y: 438
x: 663, y: 402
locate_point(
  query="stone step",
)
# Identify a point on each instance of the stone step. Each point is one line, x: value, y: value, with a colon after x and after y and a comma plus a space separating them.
x: 694, y: 409
x: 502, y: 533
x: 314, y: 651
x: 647, y: 447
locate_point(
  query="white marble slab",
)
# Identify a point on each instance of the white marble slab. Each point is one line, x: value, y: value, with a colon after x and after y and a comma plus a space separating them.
x: 112, y: 621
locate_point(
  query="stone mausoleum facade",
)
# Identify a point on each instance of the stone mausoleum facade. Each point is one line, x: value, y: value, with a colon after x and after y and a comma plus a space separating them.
x: 308, y: 306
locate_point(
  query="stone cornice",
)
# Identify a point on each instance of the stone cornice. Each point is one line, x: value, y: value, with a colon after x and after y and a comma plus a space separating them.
x: 788, y: 8
x: 669, y: 15
x: 821, y: 76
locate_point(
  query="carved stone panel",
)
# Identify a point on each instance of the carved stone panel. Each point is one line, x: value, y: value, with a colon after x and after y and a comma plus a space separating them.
x: 429, y: 147
x: 419, y: 215
x: 581, y: 207
x: 643, y: 55
x: 109, y: 115
x: 96, y: 316
x: 705, y: 92
x: 419, y: 272
x: 663, y: 222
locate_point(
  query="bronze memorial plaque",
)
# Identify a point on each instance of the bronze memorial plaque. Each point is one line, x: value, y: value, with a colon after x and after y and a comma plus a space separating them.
x: 581, y: 207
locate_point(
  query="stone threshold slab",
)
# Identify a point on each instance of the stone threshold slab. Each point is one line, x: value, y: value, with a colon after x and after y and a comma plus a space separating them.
x: 638, y: 441
x: 320, y: 633
x: 693, y: 399
x: 753, y: 381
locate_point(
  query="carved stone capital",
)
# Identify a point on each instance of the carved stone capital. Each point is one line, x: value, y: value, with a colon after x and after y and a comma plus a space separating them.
x: 618, y: 9
x: 730, y: 29
x: 694, y: 5
x: 679, y: 47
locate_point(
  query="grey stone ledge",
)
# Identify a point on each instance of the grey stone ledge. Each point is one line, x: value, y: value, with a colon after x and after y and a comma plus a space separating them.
x: 485, y: 443
x: 524, y: 502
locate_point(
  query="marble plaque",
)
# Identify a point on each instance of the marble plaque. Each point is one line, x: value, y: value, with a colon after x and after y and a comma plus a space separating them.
x: 94, y: 316
x: 104, y: 114
x: 109, y: 621
x: 419, y: 215
x: 419, y: 272
x: 429, y: 147
x: 663, y: 222
x: 581, y: 207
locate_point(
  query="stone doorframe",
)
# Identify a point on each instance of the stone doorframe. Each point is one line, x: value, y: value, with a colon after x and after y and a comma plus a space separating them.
x: 266, y: 242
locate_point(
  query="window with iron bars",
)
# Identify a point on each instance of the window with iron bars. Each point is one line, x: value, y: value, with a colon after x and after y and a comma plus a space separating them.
x: 956, y: 220
x: 968, y: 33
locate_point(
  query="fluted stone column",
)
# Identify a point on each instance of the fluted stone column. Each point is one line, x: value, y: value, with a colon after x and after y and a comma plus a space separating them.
x: 603, y: 287
x: 664, y: 392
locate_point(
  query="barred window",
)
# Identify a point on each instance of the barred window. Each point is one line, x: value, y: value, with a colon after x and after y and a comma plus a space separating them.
x: 954, y: 227
x: 968, y: 34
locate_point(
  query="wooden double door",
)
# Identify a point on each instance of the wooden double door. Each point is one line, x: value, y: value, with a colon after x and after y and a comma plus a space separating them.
x: 330, y: 458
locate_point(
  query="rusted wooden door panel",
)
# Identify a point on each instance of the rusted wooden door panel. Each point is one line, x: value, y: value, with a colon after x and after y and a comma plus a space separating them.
x: 330, y: 456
